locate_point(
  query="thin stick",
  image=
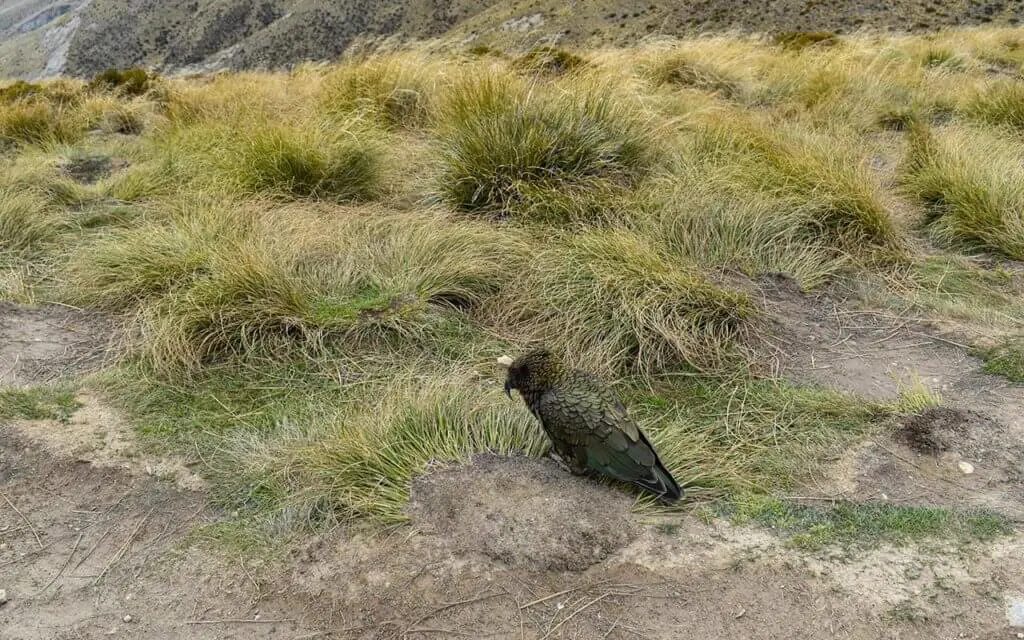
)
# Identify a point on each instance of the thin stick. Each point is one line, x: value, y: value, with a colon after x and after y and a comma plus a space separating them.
x: 574, y: 614
x: 949, y: 342
x: 611, y: 628
x: 240, y: 621
x: 91, y: 550
x: 124, y: 547
x: 448, y: 606
x: 560, y: 593
x: 65, y: 565
x: 30, y: 527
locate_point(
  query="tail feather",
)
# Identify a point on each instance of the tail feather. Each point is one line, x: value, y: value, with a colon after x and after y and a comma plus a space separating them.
x: 661, y: 483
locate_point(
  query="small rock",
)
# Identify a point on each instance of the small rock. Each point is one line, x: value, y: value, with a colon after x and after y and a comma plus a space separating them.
x: 1015, y: 611
x: 3, y: 596
x: 127, y: 618
x: 966, y: 467
x: 1020, y: 635
x: 505, y: 361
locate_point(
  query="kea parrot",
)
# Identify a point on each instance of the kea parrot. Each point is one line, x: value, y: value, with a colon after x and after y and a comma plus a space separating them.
x: 588, y: 427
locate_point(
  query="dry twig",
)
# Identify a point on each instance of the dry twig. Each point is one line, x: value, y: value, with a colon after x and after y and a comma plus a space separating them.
x: 30, y: 527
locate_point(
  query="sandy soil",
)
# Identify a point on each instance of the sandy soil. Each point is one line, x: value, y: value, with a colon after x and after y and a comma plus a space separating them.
x: 95, y: 539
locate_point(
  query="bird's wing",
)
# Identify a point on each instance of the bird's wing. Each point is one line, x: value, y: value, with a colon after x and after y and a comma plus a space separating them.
x: 590, y: 420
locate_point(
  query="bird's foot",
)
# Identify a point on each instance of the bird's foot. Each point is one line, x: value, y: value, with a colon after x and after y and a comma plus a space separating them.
x: 574, y: 469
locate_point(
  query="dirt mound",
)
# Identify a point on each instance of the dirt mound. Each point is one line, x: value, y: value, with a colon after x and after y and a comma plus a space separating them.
x: 42, y: 343
x: 523, y: 512
x: 940, y: 429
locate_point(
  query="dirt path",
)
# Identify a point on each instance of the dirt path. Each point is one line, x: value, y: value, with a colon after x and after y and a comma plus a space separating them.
x: 95, y: 539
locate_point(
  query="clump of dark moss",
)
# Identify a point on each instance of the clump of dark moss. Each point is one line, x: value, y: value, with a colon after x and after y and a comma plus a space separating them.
x: 482, y: 50
x: 898, y: 119
x: 549, y: 60
x: 800, y: 40
x: 129, y: 82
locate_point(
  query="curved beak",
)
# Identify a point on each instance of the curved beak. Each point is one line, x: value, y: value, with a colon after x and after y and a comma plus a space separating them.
x: 508, y: 389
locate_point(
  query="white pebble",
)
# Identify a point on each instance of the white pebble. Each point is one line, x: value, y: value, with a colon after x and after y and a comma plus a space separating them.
x: 966, y: 467
x: 127, y: 618
x: 505, y: 361
x: 3, y: 596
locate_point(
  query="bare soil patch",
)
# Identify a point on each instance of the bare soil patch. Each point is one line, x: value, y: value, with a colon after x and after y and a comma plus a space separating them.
x: 560, y: 521
x: 44, y: 343
x: 879, y: 355
x: 98, y: 435
x: 112, y: 545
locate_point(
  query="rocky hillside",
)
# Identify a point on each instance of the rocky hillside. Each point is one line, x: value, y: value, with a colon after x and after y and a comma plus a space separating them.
x: 39, y: 38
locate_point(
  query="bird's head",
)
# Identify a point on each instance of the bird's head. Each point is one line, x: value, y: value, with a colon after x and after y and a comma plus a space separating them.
x: 535, y: 370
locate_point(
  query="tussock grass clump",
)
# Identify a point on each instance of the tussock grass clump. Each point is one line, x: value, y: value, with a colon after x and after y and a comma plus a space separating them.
x: 611, y: 298
x: 259, y: 157
x: 37, y: 122
x: 41, y: 175
x: 1000, y: 104
x: 348, y: 446
x: 800, y: 40
x: 301, y: 285
x: 944, y: 58
x: 510, y: 148
x: 550, y: 60
x: 958, y: 286
x: 360, y: 464
x: 827, y: 188
x: 737, y: 436
x: 142, y: 181
x: 20, y: 90
x: 141, y: 263
x: 481, y: 50
x: 295, y: 162
x: 111, y: 114
x: 62, y: 92
x: 129, y: 82
x: 394, y: 91
x: 972, y: 186
x: 26, y: 222
x: 709, y: 222
x: 683, y: 70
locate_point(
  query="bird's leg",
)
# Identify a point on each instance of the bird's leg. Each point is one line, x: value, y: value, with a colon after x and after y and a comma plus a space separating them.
x: 558, y: 459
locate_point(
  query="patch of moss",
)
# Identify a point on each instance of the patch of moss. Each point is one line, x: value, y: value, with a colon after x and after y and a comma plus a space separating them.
x: 851, y: 523
x: 1005, y: 360
x: 39, y: 403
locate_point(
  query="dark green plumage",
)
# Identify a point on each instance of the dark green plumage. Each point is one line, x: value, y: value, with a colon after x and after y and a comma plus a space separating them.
x: 587, y: 424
